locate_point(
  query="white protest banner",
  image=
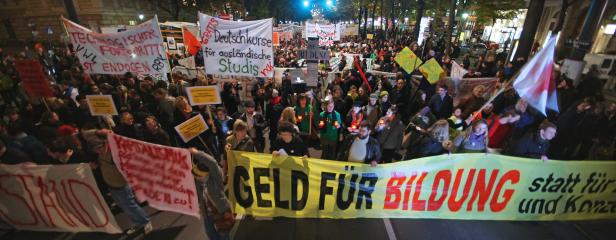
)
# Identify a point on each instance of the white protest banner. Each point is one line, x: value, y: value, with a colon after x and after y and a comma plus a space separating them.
x: 138, y: 50
x: 457, y: 72
x: 349, y: 30
x: 158, y: 174
x: 327, y: 33
x: 53, y: 198
x: 237, y: 48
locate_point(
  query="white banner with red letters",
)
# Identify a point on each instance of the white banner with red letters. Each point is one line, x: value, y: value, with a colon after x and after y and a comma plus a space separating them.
x: 327, y: 33
x: 158, y: 174
x: 237, y: 48
x: 53, y: 198
x: 138, y: 50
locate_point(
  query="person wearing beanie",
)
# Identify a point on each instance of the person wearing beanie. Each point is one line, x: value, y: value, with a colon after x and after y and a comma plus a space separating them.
x: 372, y: 111
x: 384, y: 102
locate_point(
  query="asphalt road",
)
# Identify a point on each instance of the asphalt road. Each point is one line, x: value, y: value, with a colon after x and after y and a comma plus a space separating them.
x: 169, y: 226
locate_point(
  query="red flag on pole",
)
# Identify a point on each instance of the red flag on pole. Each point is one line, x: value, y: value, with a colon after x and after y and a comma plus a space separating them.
x: 534, y: 83
x: 361, y: 73
x: 191, y: 43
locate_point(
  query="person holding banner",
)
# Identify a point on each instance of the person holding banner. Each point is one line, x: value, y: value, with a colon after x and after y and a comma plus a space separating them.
x: 535, y: 145
x: 288, y: 143
x: 474, y: 139
x: 216, y: 210
x: 121, y: 192
x: 361, y: 147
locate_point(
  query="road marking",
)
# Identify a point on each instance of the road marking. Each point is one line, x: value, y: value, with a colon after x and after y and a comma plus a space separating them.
x: 238, y: 220
x: 390, y: 229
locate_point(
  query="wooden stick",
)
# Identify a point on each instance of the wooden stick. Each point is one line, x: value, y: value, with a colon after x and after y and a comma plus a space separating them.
x: 206, y: 147
x: 46, y: 105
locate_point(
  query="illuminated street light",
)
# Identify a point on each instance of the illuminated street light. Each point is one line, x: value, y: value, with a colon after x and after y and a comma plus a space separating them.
x: 306, y: 3
x: 329, y: 3
x: 464, y: 15
x: 141, y: 16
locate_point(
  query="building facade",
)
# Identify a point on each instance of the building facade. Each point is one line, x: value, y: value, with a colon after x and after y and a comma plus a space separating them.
x: 26, y: 20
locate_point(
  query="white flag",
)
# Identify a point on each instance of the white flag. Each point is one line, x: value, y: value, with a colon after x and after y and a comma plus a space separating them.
x: 535, y: 84
x: 457, y: 72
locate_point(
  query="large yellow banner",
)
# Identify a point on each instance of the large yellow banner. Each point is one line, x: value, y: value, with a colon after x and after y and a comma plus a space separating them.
x: 457, y: 186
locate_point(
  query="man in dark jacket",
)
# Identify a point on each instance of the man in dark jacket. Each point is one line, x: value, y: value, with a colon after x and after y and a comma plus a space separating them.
x: 288, y: 142
x: 361, y: 147
x: 256, y: 125
x: 441, y: 104
x: 12, y: 155
x: 535, y: 145
x: 127, y: 126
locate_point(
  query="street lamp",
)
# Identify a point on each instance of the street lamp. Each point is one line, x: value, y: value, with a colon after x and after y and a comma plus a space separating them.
x: 328, y: 3
x: 464, y: 15
x: 141, y: 17
x: 306, y: 3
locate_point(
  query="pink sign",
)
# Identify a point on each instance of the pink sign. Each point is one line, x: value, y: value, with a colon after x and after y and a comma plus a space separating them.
x: 158, y: 174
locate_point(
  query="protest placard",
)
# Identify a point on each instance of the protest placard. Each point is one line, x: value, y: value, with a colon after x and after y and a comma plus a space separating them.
x: 138, y: 50
x: 432, y: 71
x: 237, y: 48
x: 33, y: 79
x: 327, y: 33
x: 101, y: 105
x: 188, y: 62
x: 203, y: 95
x: 408, y: 60
x: 457, y: 186
x: 191, y: 128
x: 158, y: 174
x: 53, y: 198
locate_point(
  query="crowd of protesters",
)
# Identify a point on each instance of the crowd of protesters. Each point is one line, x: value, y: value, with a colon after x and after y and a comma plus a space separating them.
x: 372, y: 120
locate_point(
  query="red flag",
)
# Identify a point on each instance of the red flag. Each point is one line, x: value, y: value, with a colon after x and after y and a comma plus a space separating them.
x: 534, y: 83
x: 361, y: 72
x: 191, y: 43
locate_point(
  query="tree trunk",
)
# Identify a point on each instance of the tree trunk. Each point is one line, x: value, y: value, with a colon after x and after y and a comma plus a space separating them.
x: 420, y: 11
x: 366, y: 19
x: 527, y: 37
x: 381, y: 15
x: 373, y: 14
x: 452, y: 19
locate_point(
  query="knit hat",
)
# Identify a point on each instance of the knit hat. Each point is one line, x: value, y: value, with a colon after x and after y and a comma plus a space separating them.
x: 384, y: 93
x: 66, y: 130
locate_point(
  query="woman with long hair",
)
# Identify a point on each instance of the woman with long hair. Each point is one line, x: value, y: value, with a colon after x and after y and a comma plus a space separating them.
x: 288, y: 115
